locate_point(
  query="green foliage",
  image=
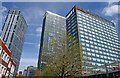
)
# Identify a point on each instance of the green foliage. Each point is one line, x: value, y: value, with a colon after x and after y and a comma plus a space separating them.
x: 62, y: 57
x: 61, y: 61
x: 38, y: 73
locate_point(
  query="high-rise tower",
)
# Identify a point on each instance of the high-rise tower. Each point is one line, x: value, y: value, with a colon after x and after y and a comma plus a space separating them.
x: 97, y: 37
x: 13, y: 32
x: 53, y: 25
x: 119, y: 20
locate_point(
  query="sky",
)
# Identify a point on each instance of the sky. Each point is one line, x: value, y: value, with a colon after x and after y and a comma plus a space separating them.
x: 33, y: 13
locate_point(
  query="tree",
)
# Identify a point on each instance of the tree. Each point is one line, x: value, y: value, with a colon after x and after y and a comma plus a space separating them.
x: 62, y: 57
x: 60, y: 60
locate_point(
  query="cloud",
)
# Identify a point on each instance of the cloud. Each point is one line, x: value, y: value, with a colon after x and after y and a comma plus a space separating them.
x: 38, y: 45
x: 15, y: 7
x: 4, y: 12
x: 29, y: 43
x: 31, y: 34
x: 35, y: 35
x: 38, y: 35
x: 4, y: 9
x: 110, y: 10
x: 34, y: 44
x: 24, y: 62
x: 39, y: 29
x: 28, y: 60
x: 110, y: 2
x: 33, y: 24
x: 33, y: 14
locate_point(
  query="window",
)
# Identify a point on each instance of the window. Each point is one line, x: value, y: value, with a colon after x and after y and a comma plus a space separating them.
x: 92, y: 46
x: 85, y: 30
x: 87, y: 41
x: 97, y: 55
x: 92, y: 50
x: 0, y: 67
x: 100, y: 52
x: 81, y: 32
x: 91, y: 42
x: 9, y: 65
x: 83, y: 48
x: 5, y: 57
x: 87, y: 45
x: 81, y: 28
x: 12, y: 69
x: 89, y: 53
x: 95, y: 43
x: 8, y: 59
x: 93, y: 32
x: 0, y: 49
x: 96, y: 47
x: 98, y: 60
x: 7, y: 73
x: 83, y: 43
x: 86, y: 33
x: 4, y: 70
x: 86, y: 38
x: 90, y: 38
x: 3, y: 54
x: 90, y: 34
x: 93, y: 54
x: 96, y: 51
x: 82, y: 39
x: 96, y: 33
x: 80, y: 25
x: 102, y: 60
x: 88, y: 49
x: 82, y: 35
x: 94, y: 36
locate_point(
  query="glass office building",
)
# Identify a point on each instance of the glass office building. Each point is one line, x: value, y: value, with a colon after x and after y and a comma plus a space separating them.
x: 53, y: 26
x: 97, y: 37
x: 13, y: 32
x: 119, y: 20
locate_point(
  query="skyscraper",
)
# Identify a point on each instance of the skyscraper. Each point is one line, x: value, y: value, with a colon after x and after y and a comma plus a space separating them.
x: 119, y: 19
x: 0, y: 15
x: 13, y: 32
x: 53, y: 25
x: 97, y: 37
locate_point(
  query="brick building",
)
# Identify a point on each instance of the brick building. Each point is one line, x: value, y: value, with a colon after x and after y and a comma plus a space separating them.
x: 7, y: 65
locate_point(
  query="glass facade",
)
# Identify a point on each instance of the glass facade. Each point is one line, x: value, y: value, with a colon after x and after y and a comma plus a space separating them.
x: 13, y: 32
x: 119, y: 20
x: 53, y: 26
x: 0, y: 16
x: 98, y: 39
x: 72, y: 29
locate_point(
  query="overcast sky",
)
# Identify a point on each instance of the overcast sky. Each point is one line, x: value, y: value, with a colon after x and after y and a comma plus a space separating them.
x: 33, y: 13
